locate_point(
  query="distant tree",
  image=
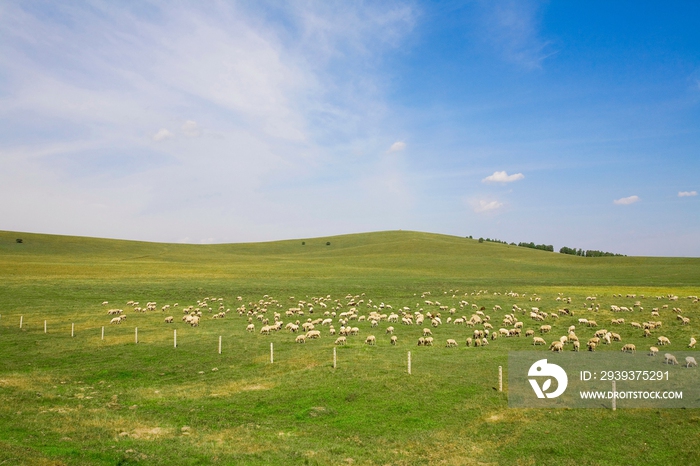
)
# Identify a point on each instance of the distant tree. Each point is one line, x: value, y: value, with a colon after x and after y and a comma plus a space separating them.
x: 481, y: 240
x: 328, y: 243
x: 19, y: 240
x: 303, y: 243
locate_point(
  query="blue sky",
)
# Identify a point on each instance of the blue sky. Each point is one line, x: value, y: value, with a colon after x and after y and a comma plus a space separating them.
x: 572, y: 124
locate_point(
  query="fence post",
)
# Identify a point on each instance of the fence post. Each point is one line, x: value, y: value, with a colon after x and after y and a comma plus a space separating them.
x: 614, y: 399
x: 44, y: 326
x: 500, y: 378
x: 174, y: 338
x: 219, y: 344
x: 272, y: 352
x: 136, y: 335
x: 409, y: 363
x: 334, y: 358
x: 21, y: 318
x: 103, y: 332
x: 72, y: 330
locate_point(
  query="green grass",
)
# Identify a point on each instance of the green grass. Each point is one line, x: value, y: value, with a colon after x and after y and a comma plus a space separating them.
x: 82, y: 400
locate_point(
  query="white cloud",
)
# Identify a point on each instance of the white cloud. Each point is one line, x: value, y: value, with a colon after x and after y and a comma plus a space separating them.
x: 191, y: 129
x: 502, y: 177
x: 397, y: 146
x: 687, y: 193
x: 486, y: 206
x: 162, y: 135
x: 626, y: 200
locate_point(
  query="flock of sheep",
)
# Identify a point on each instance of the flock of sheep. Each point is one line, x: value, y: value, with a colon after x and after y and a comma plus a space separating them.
x: 309, y: 318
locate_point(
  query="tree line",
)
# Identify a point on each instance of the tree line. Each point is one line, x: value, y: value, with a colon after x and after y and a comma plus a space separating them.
x: 550, y: 248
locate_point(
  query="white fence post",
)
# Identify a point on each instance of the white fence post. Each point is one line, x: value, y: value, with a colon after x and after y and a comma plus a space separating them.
x: 614, y: 399
x: 272, y: 354
x: 103, y: 332
x: 44, y: 326
x: 136, y: 335
x: 174, y: 338
x: 72, y: 330
x: 21, y: 318
x: 409, y: 363
x: 500, y: 378
x: 335, y: 360
x: 219, y: 344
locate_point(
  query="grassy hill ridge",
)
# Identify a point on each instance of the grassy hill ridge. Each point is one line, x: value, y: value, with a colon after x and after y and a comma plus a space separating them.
x: 423, y: 257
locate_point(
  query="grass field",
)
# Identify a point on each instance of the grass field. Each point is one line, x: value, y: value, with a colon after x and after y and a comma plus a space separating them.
x: 83, y: 400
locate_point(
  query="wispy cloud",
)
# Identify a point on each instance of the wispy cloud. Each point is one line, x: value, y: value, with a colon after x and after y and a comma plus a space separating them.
x: 687, y: 193
x: 397, y: 146
x: 503, y: 177
x: 512, y: 28
x: 482, y: 205
x: 191, y: 129
x: 626, y: 200
x: 162, y: 135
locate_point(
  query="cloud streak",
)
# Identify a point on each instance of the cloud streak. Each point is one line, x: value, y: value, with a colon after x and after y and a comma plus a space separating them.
x: 503, y: 177
x: 687, y: 193
x: 626, y: 200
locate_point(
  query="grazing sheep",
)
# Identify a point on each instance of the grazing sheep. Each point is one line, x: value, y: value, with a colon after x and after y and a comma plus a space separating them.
x: 529, y: 332
x: 577, y: 345
x: 394, y: 339
x: 300, y: 339
x: 545, y: 328
x: 390, y: 330
x: 265, y: 330
x: 427, y: 332
x: 690, y: 362
x: 169, y: 320
x: 538, y: 341
x: 250, y: 328
x: 557, y: 346
x: 592, y: 323
x: 341, y: 341
x: 653, y: 350
x: 451, y: 343
x: 354, y: 331
x: 661, y: 341
x: 370, y: 340
x: 313, y: 334
x: 629, y: 348
x: 692, y: 343
x: 115, y: 320
x: 572, y: 328
x: 591, y: 346
x: 421, y: 341
x: 469, y: 342
x: 428, y: 341
x: 670, y: 359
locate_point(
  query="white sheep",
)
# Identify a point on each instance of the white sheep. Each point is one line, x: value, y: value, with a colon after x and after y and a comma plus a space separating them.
x: 169, y: 320
x: 390, y: 330
x: 341, y: 341
x: 670, y: 359
x: 370, y: 340
x: 451, y: 343
x: 661, y: 341
x: 538, y: 341
x: 577, y: 345
x: 557, y: 346
x: 300, y: 339
x: 653, y: 350
x: 115, y: 320
x: 250, y: 328
x: 692, y: 342
x: 629, y: 348
x: 690, y: 362
x: 394, y: 339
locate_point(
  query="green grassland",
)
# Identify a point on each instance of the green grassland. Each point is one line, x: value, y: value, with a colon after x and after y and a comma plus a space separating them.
x: 83, y: 400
